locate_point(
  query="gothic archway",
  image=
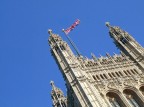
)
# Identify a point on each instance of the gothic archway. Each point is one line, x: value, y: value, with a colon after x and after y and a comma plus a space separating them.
x: 133, y: 98
x: 142, y: 89
x: 115, y: 99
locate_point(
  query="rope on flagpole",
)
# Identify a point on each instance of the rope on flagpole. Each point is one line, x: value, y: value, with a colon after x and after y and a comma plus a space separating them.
x: 72, y: 43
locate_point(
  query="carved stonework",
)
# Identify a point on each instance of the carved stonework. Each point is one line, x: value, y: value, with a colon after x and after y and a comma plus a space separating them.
x: 89, y: 80
x: 141, y: 80
x: 130, y: 82
x: 112, y: 85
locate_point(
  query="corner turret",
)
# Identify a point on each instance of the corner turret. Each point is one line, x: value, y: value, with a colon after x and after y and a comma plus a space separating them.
x: 58, y: 97
x: 127, y: 44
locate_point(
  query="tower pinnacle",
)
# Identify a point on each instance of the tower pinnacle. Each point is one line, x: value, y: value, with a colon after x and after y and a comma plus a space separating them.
x: 52, y: 84
x: 49, y: 31
x: 107, y: 24
x: 57, y: 96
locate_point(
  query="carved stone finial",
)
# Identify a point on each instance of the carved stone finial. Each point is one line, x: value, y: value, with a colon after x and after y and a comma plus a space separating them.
x: 108, y: 55
x: 93, y: 56
x: 50, y: 31
x: 63, y: 30
x: 107, y: 24
x: 52, y: 83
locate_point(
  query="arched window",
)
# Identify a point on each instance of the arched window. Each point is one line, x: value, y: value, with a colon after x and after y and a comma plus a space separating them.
x: 125, y: 72
x: 128, y: 72
x: 115, y: 100
x: 123, y: 40
x: 117, y: 74
x: 110, y: 75
x: 132, y: 71
x: 97, y: 77
x: 63, y: 104
x: 101, y: 76
x: 142, y: 89
x: 136, y: 71
x: 113, y: 74
x: 120, y: 73
x: 133, y: 98
x: 62, y: 47
x: 94, y: 77
x: 105, y: 76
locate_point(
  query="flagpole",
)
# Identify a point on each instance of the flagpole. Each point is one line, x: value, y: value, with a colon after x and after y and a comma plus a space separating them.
x: 72, y: 43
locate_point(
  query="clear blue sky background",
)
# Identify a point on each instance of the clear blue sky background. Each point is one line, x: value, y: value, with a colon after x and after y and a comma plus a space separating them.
x: 26, y: 65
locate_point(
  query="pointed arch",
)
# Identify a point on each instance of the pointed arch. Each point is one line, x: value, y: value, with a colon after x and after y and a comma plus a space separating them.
x: 120, y: 73
x: 133, y: 98
x: 142, y: 89
x: 110, y: 75
x: 94, y: 77
x: 115, y: 99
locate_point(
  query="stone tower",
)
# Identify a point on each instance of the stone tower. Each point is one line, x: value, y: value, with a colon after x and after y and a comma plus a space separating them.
x: 111, y: 81
x: 57, y: 97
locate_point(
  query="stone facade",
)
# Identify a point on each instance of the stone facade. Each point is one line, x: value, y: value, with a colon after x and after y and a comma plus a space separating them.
x: 111, y: 81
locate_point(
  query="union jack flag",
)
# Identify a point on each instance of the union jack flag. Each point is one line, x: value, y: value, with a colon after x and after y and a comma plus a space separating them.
x: 72, y: 27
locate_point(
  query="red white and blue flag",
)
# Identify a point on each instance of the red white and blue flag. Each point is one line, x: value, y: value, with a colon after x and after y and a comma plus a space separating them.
x: 71, y: 27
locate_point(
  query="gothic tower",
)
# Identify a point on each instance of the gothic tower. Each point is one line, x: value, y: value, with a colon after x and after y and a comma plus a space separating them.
x: 57, y: 97
x: 111, y: 81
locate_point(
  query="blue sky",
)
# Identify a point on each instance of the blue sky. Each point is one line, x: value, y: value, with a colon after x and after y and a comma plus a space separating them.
x: 26, y: 64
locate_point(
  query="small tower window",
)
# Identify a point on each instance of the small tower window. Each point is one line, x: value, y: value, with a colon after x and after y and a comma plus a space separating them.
x: 102, y: 76
x: 97, y: 77
x: 123, y: 40
x: 132, y: 71
x: 105, y: 76
x: 57, y: 50
x: 94, y: 77
x: 117, y: 74
x: 125, y: 72
x: 136, y: 71
x: 120, y: 73
x: 62, y: 47
x: 128, y: 72
x: 110, y: 75
x: 113, y: 74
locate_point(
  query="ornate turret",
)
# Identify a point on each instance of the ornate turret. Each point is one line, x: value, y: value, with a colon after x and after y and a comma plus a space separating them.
x: 59, y: 48
x: 57, y: 97
x: 126, y: 43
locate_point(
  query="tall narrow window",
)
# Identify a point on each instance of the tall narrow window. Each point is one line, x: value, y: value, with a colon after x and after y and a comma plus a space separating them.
x: 132, y: 71
x: 117, y: 74
x: 115, y: 100
x: 128, y: 72
x: 136, y: 71
x: 132, y: 101
x: 120, y: 73
x: 113, y: 74
x: 125, y: 72
x: 142, y: 89
x: 133, y: 98
x: 110, y: 75
x: 105, y: 76
x: 62, y: 47
x: 97, y: 77
x: 63, y: 104
x: 101, y: 76
x: 94, y: 77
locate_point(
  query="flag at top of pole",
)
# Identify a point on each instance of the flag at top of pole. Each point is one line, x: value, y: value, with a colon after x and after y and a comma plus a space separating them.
x: 71, y: 27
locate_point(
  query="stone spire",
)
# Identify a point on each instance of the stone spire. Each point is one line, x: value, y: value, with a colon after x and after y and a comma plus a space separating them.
x: 126, y: 43
x: 58, y: 97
